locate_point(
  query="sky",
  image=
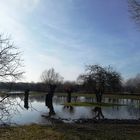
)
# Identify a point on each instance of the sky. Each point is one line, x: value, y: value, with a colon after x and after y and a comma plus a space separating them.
x: 69, y: 34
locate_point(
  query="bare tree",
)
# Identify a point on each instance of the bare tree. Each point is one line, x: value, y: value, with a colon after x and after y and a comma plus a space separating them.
x: 100, y: 78
x: 10, y: 69
x: 69, y: 88
x: 51, y: 79
x: 132, y: 85
x: 10, y: 61
x: 134, y: 8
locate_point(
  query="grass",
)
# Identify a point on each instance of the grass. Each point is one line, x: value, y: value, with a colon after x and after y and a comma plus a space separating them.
x: 91, y: 104
x: 31, y: 132
x: 136, y: 97
x: 112, y: 96
x: 72, y: 132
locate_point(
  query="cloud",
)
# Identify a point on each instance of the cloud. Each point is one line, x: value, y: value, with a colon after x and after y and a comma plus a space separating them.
x: 67, y: 70
x: 61, y: 35
x: 13, y: 15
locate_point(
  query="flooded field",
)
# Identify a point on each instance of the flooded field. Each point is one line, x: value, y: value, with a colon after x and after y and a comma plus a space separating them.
x: 17, y: 110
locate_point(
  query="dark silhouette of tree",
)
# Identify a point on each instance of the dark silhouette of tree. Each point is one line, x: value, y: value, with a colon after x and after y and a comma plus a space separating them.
x: 69, y: 88
x: 101, y: 79
x: 113, y: 80
x: 51, y: 79
x: 134, y: 8
x: 49, y: 104
x: 26, y: 98
x: 132, y: 85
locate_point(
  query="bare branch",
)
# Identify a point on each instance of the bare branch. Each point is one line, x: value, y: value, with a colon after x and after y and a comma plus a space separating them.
x: 4, y: 98
x: 51, y: 77
x: 10, y: 61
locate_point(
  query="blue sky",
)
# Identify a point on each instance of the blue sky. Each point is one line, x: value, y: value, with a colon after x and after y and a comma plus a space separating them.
x: 69, y: 34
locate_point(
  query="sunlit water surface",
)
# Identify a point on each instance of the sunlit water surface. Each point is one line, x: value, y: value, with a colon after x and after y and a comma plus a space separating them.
x: 15, y: 112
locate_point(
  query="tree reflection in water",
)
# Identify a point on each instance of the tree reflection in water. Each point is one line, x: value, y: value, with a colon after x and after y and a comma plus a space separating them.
x: 8, y: 108
x: 98, y: 113
x: 70, y: 109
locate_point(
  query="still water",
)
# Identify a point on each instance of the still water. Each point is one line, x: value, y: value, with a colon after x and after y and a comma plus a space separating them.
x: 16, y: 111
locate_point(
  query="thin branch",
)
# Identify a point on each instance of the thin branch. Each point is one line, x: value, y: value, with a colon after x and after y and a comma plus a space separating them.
x: 4, y: 98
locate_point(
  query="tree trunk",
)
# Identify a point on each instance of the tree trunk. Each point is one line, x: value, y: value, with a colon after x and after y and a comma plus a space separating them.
x: 26, y: 95
x: 69, y: 97
x: 49, y: 99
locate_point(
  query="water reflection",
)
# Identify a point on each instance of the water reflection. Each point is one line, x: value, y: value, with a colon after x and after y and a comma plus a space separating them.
x: 8, y: 108
x: 69, y: 109
x: 98, y: 113
x: 26, y: 109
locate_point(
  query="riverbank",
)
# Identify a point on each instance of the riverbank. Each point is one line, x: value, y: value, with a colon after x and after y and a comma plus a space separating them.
x: 76, y: 131
x: 111, y: 95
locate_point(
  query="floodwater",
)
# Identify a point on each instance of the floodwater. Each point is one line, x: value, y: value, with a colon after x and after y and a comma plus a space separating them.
x: 16, y: 110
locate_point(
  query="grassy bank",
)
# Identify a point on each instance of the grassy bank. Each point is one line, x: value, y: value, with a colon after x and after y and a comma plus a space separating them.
x: 72, y: 132
x: 112, y: 96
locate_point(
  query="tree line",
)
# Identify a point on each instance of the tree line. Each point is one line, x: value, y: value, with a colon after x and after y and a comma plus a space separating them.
x: 85, y: 83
